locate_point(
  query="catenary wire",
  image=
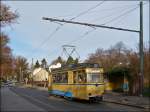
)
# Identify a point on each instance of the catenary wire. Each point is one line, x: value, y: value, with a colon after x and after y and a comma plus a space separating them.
x: 96, y: 11
x: 90, y: 31
x: 116, y: 18
x: 123, y: 16
x: 107, y: 16
x: 80, y: 14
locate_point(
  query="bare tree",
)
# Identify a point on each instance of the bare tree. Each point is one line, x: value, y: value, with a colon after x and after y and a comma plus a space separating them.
x: 7, y: 17
x: 21, y: 67
x: 119, y: 55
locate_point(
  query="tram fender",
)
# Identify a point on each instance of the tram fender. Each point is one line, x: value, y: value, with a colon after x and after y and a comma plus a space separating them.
x: 68, y: 94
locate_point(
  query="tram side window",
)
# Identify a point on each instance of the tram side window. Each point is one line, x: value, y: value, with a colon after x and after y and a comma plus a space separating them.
x: 60, y: 78
x: 82, y: 78
x: 64, y: 78
x: 54, y: 78
x: 79, y: 78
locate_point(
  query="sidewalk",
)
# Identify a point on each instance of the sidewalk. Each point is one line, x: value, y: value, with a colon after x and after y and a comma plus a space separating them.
x: 10, y: 101
x: 141, y: 102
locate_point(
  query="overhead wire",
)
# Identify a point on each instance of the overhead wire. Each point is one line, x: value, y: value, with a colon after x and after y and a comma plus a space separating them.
x: 127, y: 12
x: 82, y: 36
x: 58, y: 28
x: 80, y: 14
x: 111, y: 9
x: 90, y: 31
x: 119, y: 20
x: 95, y: 11
x: 116, y: 18
x: 72, y: 19
x: 45, y: 40
x: 124, y: 16
x: 109, y: 15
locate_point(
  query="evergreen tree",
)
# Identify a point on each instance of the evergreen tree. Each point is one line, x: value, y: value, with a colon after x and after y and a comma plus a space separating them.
x: 44, y: 63
x: 76, y: 61
x: 37, y: 65
x: 58, y: 60
x: 70, y: 60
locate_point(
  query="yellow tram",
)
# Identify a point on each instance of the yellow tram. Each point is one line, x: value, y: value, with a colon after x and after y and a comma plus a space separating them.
x: 81, y: 81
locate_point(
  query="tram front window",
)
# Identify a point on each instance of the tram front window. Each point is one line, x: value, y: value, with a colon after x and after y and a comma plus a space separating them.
x: 94, y: 77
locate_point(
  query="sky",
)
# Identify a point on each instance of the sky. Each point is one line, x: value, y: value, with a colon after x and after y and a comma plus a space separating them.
x: 32, y: 37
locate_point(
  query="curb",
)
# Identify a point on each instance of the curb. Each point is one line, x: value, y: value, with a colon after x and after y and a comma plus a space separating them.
x: 126, y: 104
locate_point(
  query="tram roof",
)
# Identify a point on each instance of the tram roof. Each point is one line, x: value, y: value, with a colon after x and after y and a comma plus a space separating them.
x: 77, y: 66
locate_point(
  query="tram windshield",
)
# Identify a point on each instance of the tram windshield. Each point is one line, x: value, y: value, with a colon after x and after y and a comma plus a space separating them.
x: 94, y: 78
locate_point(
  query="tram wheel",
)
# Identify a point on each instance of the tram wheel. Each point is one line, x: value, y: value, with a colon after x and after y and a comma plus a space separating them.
x: 91, y: 101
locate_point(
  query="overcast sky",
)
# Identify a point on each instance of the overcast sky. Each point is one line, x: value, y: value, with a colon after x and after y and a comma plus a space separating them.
x: 31, y: 31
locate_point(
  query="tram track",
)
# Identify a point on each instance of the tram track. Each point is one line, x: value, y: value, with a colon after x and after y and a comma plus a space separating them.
x: 48, y: 102
x: 41, y: 99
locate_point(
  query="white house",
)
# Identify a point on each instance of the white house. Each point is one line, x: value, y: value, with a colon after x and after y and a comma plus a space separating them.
x: 40, y: 74
x: 58, y: 65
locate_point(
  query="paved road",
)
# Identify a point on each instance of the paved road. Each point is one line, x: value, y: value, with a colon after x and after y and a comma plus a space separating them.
x: 13, y: 102
x: 41, y: 100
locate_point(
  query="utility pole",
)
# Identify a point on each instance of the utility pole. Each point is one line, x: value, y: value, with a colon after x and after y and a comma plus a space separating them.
x: 140, y: 32
x: 141, y: 74
x: 20, y: 74
x: 32, y: 71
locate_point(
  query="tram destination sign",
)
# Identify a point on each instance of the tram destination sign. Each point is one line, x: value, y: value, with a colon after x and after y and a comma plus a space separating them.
x: 94, y: 70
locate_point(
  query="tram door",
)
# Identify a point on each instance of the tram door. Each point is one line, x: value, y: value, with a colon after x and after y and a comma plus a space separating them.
x: 79, y: 84
x: 50, y: 82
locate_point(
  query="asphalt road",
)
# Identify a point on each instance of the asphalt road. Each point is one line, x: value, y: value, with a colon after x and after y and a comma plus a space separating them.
x: 41, y: 100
